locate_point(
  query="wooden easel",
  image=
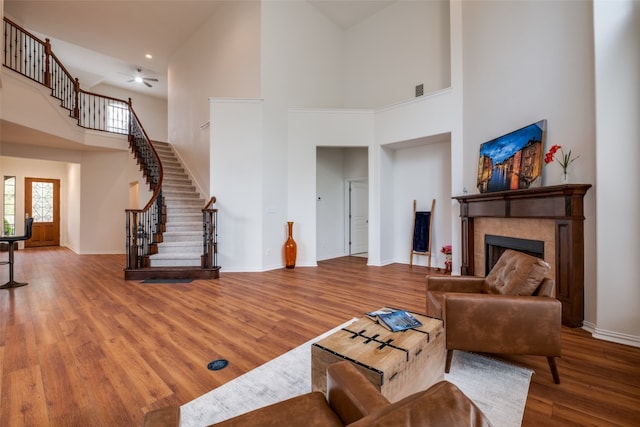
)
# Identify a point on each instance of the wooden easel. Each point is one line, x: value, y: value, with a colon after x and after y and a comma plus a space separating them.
x: 421, y: 243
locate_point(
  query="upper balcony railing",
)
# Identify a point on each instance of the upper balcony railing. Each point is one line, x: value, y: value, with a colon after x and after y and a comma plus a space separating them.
x: 33, y: 58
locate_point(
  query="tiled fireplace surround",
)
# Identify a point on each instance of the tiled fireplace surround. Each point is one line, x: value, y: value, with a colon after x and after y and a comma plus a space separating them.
x: 522, y: 228
x: 551, y: 214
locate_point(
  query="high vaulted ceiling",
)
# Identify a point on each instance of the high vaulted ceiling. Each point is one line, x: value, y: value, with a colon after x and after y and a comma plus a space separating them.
x: 106, y: 41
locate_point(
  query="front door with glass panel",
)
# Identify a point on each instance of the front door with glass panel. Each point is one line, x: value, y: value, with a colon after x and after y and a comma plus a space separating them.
x: 42, y: 202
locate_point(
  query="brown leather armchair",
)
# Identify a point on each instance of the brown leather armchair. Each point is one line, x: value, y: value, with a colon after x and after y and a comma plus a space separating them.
x: 351, y: 400
x: 511, y: 311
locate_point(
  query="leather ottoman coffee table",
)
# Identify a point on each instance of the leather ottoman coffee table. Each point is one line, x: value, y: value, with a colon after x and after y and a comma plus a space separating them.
x: 398, y: 363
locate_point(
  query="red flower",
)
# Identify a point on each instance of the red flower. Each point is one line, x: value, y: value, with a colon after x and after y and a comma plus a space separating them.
x: 564, y: 159
x: 548, y: 158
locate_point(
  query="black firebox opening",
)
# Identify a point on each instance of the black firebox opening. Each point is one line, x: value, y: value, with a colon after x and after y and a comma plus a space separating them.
x: 494, y: 246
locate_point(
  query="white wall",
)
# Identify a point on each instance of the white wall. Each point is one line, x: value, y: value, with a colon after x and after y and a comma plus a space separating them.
x: 301, y: 67
x: 355, y: 163
x: 151, y: 111
x: 309, y: 129
x: 104, y: 196
x: 401, y: 46
x: 526, y: 61
x: 429, y: 119
x: 220, y: 59
x: 422, y: 173
x: 236, y: 173
x: 74, y: 217
x: 516, y: 74
x: 617, y: 72
x: 29, y: 104
x: 37, y: 152
x: 254, y: 199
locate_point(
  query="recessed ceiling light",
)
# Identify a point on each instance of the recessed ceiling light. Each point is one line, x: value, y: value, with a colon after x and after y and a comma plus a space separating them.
x: 148, y: 56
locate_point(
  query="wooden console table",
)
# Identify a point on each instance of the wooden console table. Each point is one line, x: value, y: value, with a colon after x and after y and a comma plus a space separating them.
x: 562, y: 203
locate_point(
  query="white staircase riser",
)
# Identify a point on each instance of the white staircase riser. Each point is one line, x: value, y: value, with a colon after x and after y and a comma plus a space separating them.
x: 174, y: 263
x: 181, y: 210
x: 183, y: 187
x: 184, y: 219
x: 181, y: 229
x: 181, y: 197
x: 186, y: 236
x: 193, y: 250
x: 171, y: 182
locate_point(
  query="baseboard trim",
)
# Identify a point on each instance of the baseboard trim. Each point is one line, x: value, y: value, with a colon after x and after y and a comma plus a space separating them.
x: 611, y: 336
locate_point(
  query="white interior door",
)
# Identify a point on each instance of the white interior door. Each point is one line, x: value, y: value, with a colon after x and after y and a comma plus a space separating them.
x: 358, y: 217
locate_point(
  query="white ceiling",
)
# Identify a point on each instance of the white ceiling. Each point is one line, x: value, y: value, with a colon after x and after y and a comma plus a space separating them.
x: 347, y: 13
x: 106, y: 41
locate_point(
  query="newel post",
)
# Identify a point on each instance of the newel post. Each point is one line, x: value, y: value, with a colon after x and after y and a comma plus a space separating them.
x: 76, y: 91
x: 47, y: 63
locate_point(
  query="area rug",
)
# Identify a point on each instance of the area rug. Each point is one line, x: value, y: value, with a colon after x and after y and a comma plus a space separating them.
x: 499, y: 389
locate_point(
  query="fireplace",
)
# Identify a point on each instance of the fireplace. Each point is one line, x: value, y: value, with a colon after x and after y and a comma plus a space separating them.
x: 554, y: 214
x: 494, y: 246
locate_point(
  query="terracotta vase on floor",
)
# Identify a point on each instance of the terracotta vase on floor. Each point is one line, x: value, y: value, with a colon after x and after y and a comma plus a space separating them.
x: 290, y: 248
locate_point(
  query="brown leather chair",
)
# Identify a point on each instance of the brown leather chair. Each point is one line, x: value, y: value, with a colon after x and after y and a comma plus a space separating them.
x: 511, y: 311
x: 351, y: 400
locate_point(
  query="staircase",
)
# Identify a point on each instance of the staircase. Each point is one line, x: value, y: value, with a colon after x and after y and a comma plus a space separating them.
x: 182, y: 240
x: 175, y: 235
x: 179, y: 253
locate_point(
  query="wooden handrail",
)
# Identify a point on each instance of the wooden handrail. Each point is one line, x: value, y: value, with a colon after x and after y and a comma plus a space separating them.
x: 211, y: 202
x: 86, y: 92
x: 158, y: 184
x: 13, y: 24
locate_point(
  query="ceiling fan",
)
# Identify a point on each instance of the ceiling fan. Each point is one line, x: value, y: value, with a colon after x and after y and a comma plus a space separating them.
x: 139, y: 78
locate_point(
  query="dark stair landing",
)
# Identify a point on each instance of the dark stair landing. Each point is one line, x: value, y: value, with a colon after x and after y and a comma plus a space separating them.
x: 172, y: 273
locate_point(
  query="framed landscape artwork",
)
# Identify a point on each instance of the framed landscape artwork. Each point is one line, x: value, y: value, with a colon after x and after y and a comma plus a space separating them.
x: 513, y: 161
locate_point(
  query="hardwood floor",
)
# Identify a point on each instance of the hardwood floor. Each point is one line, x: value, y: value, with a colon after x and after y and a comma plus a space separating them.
x: 80, y: 346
